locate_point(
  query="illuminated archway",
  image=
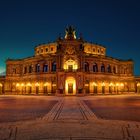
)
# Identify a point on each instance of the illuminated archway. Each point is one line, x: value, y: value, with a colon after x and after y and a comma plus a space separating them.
x: 70, y: 65
x: 70, y: 86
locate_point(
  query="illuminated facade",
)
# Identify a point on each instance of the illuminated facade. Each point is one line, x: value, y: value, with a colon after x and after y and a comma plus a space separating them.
x: 69, y: 66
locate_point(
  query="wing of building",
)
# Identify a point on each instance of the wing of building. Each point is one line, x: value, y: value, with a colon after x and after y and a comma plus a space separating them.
x: 69, y: 66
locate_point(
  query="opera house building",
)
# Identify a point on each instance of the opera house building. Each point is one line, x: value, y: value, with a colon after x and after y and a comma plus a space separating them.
x: 69, y: 66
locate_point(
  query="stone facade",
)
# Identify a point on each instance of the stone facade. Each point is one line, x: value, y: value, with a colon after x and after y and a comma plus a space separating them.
x: 69, y: 66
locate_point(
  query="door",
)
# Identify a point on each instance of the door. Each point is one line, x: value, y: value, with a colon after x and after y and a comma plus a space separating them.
x: 70, y: 88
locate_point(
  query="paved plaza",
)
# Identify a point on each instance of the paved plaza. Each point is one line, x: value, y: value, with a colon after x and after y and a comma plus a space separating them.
x: 113, y: 117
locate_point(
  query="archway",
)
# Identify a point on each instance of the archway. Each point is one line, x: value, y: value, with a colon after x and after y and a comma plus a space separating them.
x: 70, y: 65
x: 70, y: 86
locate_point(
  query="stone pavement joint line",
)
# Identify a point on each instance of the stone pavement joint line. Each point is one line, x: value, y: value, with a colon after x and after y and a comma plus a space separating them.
x: 70, y: 119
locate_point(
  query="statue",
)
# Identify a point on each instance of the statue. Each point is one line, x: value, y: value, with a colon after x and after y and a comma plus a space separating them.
x: 70, y: 33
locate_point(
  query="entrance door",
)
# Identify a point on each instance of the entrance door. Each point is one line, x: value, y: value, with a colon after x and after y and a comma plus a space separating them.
x: 70, y: 88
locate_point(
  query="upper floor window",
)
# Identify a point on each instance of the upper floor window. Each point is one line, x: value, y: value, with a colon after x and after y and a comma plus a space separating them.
x: 54, y: 66
x: 93, y: 49
x: 47, y: 49
x: 37, y: 67
x: 95, y: 67
x: 45, y: 68
x: 86, y: 66
x: 41, y: 50
x: 102, y: 68
x: 109, y: 69
x: 30, y: 69
x: 51, y: 49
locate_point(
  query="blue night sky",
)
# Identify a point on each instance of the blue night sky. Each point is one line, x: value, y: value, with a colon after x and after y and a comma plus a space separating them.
x: 113, y: 23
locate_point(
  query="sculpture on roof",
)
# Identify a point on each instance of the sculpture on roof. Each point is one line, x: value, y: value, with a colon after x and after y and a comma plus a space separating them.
x: 70, y: 33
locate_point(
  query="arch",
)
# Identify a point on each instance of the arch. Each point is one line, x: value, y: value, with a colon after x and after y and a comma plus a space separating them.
x: 30, y: 69
x: 54, y: 66
x: 37, y: 67
x: 37, y: 85
x: 95, y: 88
x: 86, y: 66
x: 45, y: 68
x: 70, y: 65
x: 70, y: 86
x: 102, y: 68
x: 108, y: 68
x: 111, y: 87
x: 95, y: 67
x: 103, y: 87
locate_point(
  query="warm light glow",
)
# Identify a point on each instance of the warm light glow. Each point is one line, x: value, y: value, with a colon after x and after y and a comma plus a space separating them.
x: 46, y: 84
x: 29, y: 85
x: 117, y: 84
x: 111, y: 84
x: 138, y: 84
x: 70, y: 80
x: 71, y: 63
x: 17, y: 85
x: 121, y: 84
x: 94, y: 84
x: 53, y: 85
x: 22, y: 85
x: 103, y: 84
x: 36, y: 84
x: 0, y: 85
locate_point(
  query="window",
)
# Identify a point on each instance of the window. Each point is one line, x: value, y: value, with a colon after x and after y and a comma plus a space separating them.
x: 41, y: 50
x: 53, y: 66
x: 86, y: 66
x: 45, y: 68
x: 102, y: 68
x: 51, y: 49
x: 109, y: 69
x: 37, y: 51
x: 30, y: 69
x: 95, y: 67
x: 37, y: 67
x: 93, y: 49
x: 46, y: 49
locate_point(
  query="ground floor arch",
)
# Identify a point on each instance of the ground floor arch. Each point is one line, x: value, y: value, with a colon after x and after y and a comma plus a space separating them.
x: 70, y: 86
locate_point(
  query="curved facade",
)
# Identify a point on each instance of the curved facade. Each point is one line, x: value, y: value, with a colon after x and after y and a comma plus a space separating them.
x: 69, y: 66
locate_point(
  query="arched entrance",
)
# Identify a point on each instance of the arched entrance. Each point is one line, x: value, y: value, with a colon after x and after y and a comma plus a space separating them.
x: 70, y: 86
